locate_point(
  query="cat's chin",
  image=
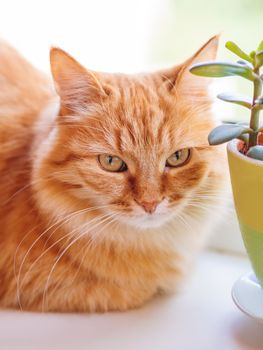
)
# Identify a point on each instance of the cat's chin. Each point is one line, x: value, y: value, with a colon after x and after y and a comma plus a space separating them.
x: 146, y: 221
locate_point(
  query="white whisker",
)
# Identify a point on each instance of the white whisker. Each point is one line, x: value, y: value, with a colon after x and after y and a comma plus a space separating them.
x: 60, y: 222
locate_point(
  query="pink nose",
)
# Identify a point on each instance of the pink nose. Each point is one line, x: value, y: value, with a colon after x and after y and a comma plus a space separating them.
x: 149, y: 207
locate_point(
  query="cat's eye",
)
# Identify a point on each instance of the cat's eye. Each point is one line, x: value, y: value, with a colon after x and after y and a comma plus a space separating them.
x: 112, y: 163
x: 179, y: 158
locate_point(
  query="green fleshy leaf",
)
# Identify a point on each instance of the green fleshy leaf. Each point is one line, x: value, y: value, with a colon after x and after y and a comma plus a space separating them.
x: 260, y: 46
x: 230, y: 45
x: 240, y: 100
x: 243, y: 123
x: 244, y: 138
x: 226, y: 132
x: 250, y: 65
x: 256, y: 152
x: 259, y: 58
x: 222, y: 69
x: 252, y: 54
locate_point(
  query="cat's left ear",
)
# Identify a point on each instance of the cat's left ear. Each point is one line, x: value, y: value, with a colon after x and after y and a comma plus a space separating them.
x: 184, y: 82
x: 77, y: 87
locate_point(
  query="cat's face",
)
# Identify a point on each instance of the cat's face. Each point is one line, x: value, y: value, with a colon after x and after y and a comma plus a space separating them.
x: 136, y: 146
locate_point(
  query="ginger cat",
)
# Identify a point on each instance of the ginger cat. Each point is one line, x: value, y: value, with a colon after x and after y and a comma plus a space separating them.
x: 105, y: 194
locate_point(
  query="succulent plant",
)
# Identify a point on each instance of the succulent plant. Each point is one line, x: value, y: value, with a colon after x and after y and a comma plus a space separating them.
x: 248, y: 67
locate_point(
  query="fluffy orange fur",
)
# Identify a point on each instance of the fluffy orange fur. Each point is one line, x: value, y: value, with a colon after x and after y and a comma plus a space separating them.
x: 75, y: 237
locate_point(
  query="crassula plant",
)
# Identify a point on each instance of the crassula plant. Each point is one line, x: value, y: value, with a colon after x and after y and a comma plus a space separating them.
x: 248, y: 67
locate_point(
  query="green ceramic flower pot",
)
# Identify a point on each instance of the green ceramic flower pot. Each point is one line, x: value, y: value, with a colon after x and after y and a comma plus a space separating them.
x: 247, y: 184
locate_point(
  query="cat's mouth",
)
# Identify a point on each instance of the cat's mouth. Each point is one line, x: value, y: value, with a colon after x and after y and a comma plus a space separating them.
x: 136, y: 217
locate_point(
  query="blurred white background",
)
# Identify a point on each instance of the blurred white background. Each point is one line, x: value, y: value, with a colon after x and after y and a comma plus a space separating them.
x: 104, y: 35
x: 130, y: 35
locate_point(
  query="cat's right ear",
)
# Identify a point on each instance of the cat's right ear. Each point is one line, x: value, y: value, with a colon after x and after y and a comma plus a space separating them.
x: 180, y: 80
x: 77, y: 87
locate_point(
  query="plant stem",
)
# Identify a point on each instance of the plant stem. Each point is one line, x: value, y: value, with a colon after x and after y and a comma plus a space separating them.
x: 254, y: 117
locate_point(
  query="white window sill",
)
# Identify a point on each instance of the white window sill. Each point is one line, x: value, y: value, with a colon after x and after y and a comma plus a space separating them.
x: 202, y: 317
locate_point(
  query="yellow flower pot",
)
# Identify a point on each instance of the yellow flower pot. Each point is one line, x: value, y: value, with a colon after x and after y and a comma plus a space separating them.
x: 247, y: 183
